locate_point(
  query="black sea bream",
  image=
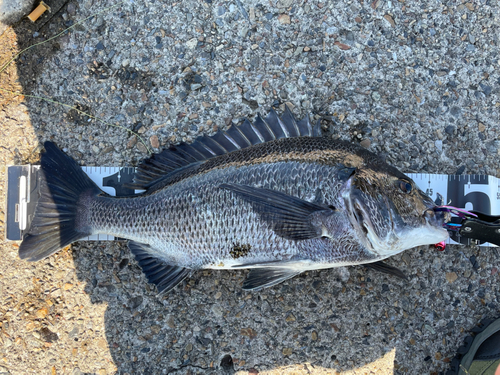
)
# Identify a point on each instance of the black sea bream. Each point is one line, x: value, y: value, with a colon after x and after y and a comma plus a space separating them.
x: 272, y: 195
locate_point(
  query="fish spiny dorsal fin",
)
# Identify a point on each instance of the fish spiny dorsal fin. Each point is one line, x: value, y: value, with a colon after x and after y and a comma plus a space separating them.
x: 235, y: 138
x: 317, y: 129
x: 293, y: 127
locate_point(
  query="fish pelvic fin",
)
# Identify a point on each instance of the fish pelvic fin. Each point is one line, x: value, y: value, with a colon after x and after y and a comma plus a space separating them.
x: 386, y: 268
x: 60, y: 214
x: 259, y: 278
x: 158, y: 272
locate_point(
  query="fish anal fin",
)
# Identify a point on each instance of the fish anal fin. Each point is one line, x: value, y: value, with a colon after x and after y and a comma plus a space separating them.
x: 158, y: 272
x: 290, y: 217
x: 259, y: 278
x: 386, y: 268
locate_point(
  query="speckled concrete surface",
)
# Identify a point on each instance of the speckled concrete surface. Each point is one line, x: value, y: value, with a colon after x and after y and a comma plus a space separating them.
x: 416, y: 82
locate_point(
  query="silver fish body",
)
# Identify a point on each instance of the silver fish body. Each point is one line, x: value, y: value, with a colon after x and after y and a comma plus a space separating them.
x: 280, y: 206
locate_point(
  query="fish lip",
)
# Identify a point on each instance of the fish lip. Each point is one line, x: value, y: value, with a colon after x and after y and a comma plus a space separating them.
x: 436, y: 218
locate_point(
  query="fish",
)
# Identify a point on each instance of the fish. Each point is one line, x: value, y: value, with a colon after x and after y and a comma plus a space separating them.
x: 274, y: 196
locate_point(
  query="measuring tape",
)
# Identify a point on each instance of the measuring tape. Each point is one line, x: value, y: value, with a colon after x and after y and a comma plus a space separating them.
x: 471, y: 192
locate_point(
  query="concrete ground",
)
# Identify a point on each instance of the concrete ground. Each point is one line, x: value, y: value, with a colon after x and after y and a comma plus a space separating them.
x: 416, y: 82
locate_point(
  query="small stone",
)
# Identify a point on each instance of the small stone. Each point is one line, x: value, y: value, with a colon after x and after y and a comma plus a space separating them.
x: 450, y: 129
x: 189, y: 347
x: 492, y: 147
x: 314, y: 335
x: 290, y: 318
x: 171, y: 321
x: 142, y: 148
x: 251, y: 333
x: 155, y: 143
x: 42, y: 313
x: 217, y: 310
x: 451, y: 277
x: 438, y: 356
x: 102, y: 344
x: 287, y: 351
x: 389, y: 19
x: 252, y: 14
x: 102, y: 371
x: 460, y: 170
x: 342, y: 46
x: 108, y: 149
x: 218, y: 295
x: 68, y: 286
x: 192, y: 43
x: 132, y: 142
x: 243, y: 32
x: 284, y: 19
x: 99, y: 46
x: 376, y: 96
x: 439, y: 145
x: 48, y: 336
x: 412, y: 341
x: 192, y: 116
x: 71, y: 9
x: 125, y: 62
x: 366, y: 143
x: 486, y: 89
x: 221, y: 10
x: 455, y: 111
x: 481, y: 127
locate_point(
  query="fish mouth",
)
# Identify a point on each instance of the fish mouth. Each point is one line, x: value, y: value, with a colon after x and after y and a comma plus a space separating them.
x: 436, y: 218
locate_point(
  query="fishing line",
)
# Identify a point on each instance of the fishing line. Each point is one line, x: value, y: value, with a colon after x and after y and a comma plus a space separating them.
x: 58, y: 35
x: 63, y: 104
x: 81, y: 112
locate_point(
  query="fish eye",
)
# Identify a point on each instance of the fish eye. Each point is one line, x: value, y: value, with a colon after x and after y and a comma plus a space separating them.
x: 405, y: 186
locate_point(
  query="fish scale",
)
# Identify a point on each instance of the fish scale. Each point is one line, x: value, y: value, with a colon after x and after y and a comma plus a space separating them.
x: 258, y: 196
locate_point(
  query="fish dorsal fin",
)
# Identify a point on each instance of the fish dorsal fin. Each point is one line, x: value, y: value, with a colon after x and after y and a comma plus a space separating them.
x: 235, y: 138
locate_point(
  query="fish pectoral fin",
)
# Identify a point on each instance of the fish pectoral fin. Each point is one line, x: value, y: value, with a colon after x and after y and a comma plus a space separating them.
x: 158, y: 272
x: 385, y: 268
x: 290, y: 217
x: 259, y: 278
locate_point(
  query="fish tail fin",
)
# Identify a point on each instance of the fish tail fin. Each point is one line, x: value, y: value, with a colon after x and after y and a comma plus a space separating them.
x: 62, y: 208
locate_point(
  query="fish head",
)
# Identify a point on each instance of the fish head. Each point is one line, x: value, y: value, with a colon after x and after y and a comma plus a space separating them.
x: 390, y: 213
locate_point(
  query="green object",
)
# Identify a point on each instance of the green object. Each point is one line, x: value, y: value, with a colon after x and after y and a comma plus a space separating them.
x: 469, y: 365
x: 483, y: 367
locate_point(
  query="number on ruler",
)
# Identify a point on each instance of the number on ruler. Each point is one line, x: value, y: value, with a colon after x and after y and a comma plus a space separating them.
x: 479, y: 200
x: 118, y: 180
